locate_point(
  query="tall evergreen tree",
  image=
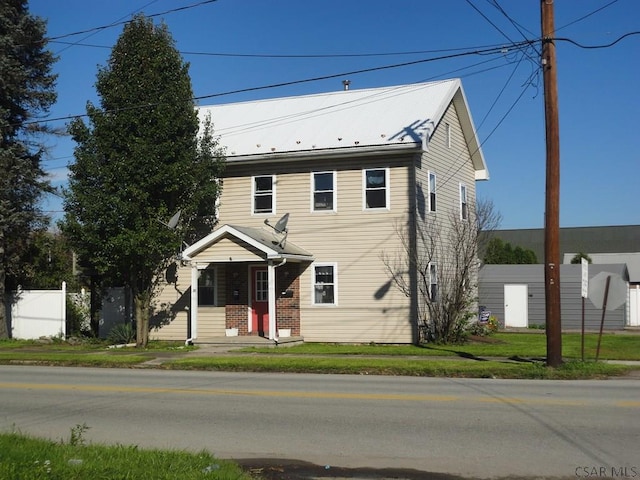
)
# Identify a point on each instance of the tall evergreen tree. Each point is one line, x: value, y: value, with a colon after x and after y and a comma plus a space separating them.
x: 139, y: 161
x: 26, y: 93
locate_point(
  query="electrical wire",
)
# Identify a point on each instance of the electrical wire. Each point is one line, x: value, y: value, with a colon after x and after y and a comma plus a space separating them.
x: 488, y: 51
x: 71, y: 44
x: 306, y: 56
x: 587, y: 15
x: 513, y: 22
x: 104, y: 27
x: 593, y: 47
x: 496, y: 27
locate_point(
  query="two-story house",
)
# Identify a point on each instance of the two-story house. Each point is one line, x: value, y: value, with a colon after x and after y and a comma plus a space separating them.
x: 314, y: 190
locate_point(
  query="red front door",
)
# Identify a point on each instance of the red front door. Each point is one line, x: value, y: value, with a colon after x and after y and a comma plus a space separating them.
x: 260, y: 300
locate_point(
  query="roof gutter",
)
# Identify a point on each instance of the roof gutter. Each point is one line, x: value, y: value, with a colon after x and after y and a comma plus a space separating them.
x: 351, y: 152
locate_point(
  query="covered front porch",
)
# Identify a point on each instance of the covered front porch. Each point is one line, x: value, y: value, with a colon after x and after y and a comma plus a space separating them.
x: 253, y: 274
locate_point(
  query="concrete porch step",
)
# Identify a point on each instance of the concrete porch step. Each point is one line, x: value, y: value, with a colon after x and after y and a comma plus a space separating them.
x: 248, y: 341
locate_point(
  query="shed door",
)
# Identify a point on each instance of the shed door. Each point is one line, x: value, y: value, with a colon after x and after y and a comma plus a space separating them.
x: 516, y: 306
x: 634, y: 306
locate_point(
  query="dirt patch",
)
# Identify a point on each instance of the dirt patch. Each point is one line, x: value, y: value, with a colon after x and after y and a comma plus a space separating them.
x: 285, y: 469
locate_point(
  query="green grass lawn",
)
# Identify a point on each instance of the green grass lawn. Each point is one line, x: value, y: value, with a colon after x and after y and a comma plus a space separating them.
x: 503, y: 355
x: 390, y: 365
x: 26, y: 458
x: 524, y: 345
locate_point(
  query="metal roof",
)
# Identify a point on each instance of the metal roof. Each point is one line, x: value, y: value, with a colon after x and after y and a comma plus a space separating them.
x: 274, y: 246
x: 631, y: 260
x: 397, y: 117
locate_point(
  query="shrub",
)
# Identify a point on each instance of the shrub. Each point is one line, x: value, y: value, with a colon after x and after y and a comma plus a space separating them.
x: 122, y: 334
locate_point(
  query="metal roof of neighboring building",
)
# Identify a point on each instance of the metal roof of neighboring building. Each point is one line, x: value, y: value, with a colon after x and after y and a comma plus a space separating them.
x: 632, y: 260
x: 589, y: 240
x: 358, y: 120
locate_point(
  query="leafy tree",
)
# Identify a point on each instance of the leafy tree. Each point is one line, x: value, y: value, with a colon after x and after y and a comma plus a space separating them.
x: 138, y: 162
x: 577, y: 258
x: 499, y: 252
x: 26, y: 93
x: 47, y: 262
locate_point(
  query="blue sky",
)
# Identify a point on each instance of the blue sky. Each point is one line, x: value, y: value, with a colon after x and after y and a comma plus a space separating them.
x: 258, y: 43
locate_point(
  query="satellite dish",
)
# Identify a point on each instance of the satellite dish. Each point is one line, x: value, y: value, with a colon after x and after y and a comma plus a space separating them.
x: 173, y: 221
x: 281, y: 225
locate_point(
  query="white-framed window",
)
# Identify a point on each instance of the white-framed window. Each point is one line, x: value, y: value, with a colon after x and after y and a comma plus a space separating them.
x: 464, y: 208
x: 323, y: 191
x: 207, y: 287
x: 432, y: 192
x: 433, y: 282
x: 263, y: 192
x: 447, y: 133
x: 325, y: 284
x: 375, y: 186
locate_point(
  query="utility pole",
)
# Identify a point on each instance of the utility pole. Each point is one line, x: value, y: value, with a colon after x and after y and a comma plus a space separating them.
x: 552, y: 191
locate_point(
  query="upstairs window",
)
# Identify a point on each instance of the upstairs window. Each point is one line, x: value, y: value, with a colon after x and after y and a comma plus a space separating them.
x: 464, y: 209
x: 323, y: 185
x: 376, y: 188
x: 432, y: 192
x: 324, y: 284
x: 264, y: 194
x: 207, y: 288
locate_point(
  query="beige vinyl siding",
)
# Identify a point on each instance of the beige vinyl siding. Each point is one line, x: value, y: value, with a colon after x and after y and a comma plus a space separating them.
x: 177, y: 297
x: 230, y: 248
x: 352, y: 238
x: 452, y: 166
x: 173, y: 297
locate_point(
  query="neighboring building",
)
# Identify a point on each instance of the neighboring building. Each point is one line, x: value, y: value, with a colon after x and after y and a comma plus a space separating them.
x: 333, y: 176
x: 632, y: 261
x: 515, y: 295
x: 615, y: 249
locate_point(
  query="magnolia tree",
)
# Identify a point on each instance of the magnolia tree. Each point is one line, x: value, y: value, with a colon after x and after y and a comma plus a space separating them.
x: 438, y: 267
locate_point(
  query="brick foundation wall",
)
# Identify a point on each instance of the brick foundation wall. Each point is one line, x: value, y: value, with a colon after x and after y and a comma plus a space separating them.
x: 288, y: 307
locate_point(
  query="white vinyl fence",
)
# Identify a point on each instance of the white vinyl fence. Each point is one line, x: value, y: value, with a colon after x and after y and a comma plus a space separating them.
x: 38, y: 313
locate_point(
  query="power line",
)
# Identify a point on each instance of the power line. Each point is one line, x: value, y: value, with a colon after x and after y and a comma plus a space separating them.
x: 71, y: 44
x: 104, y: 27
x: 513, y: 22
x: 494, y: 50
x: 308, y: 56
x: 593, y: 47
x: 587, y: 15
x: 488, y: 51
x: 496, y: 27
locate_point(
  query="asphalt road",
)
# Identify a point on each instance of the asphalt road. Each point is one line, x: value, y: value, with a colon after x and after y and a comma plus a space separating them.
x: 462, y: 427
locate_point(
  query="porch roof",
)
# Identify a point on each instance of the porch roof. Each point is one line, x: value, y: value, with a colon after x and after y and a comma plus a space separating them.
x: 273, y: 245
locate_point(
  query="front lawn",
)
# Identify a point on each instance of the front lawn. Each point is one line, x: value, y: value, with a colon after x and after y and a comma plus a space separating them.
x: 508, y: 345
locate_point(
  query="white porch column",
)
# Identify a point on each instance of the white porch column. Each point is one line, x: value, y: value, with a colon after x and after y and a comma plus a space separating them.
x: 271, y: 275
x: 195, y: 274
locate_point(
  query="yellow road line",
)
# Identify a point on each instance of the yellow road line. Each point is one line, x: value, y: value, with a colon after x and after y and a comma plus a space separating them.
x: 317, y: 395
